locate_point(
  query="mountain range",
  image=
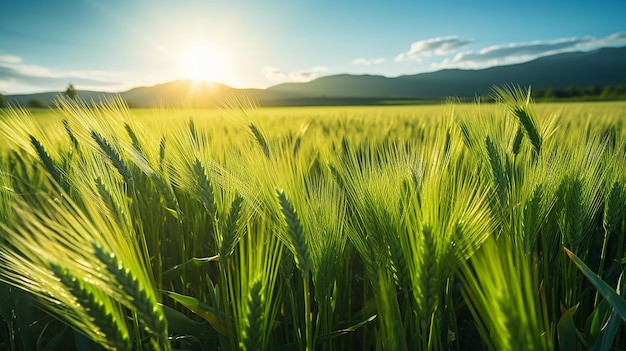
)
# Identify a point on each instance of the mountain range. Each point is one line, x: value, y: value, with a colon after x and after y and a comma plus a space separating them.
x: 601, y: 67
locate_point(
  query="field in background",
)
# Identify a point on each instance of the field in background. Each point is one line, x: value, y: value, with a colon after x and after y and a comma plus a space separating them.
x: 333, y: 228
x: 436, y: 110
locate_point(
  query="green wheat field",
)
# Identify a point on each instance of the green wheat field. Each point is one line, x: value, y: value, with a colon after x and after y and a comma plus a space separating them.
x: 493, y: 226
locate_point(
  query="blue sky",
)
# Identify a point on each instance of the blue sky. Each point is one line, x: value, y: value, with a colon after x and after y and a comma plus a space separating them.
x: 118, y: 44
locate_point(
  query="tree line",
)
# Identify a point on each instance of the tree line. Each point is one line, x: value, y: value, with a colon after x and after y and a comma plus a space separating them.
x: 70, y: 92
x: 593, y: 93
x: 609, y: 92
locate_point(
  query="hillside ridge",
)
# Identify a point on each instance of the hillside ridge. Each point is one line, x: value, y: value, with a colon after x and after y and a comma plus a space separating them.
x: 600, y: 67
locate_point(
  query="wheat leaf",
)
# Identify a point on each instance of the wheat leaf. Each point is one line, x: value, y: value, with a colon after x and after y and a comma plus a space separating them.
x: 617, y: 302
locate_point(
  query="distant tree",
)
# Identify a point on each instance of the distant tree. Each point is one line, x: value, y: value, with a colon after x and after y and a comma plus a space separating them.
x: 607, y: 92
x: 549, y: 93
x: 593, y: 90
x: 573, y: 91
x: 3, y: 101
x: 70, y: 92
x: 36, y: 103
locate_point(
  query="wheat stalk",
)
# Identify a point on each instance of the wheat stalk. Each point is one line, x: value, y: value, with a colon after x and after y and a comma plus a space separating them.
x: 517, y: 141
x: 162, y: 144
x: 229, y: 234
x: 519, y: 103
x: 138, y: 297
x: 613, y: 213
x: 49, y: 164
x: 253, y: 335
x: 115, y: 333
x: 497, y: 171
x: 400, y: 268
x: 70, y: 133
x: 108, y: 199
x: 114, y: 157
x: 260, y: 138
x: 133, y: 138
x: 429, y: 276
x: 613, y: 209
x: 298, y: 241
x: 574, y: 215
x: 530, y: 126
x: 205, y: 186
x: 193, y: 132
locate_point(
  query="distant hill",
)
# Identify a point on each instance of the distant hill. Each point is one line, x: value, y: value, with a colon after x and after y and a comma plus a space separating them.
x: 602, y: 67
x: 23, y: 99
x: 180, y: 92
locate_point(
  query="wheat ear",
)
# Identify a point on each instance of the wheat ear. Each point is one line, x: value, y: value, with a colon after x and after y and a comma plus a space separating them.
x: 114, y: 334
x: 296, y: 234
x: 139, y: 299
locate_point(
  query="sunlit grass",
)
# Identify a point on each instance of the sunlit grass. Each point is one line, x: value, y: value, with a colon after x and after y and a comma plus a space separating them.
x: 329, y: 228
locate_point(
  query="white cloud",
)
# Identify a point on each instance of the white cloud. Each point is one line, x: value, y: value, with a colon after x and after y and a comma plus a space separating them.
x: 35, y: 71
x: 275, y: 74
x: 434, y: 46
x: 307, y: 74
x: 10, y: 59
x: 367, y: 62
x: 613, y: 39
x: 520, y: 52
x: 15, y: 73
x: 103, y: 76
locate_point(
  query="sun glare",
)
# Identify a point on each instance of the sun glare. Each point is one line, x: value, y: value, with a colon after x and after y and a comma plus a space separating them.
x: 203, y: 61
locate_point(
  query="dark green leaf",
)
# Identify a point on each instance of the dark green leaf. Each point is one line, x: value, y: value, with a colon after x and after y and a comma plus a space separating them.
x: 55, y: 342
x: 566, y: 330
x: 178, y: 323
x: 617, y: 302
x: 215, y: 317
x: 610, y: 328
x: 194, y: 262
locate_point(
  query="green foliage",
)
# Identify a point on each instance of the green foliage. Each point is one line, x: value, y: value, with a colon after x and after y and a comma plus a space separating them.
x: 71, y: 92
x: 612, y: 297
x: 402, y: 228
x: 36, y: 103
x: 590, y: 93
x: 502, y: 294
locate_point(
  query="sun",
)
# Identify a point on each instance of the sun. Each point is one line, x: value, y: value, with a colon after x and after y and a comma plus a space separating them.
x: 203, y: 61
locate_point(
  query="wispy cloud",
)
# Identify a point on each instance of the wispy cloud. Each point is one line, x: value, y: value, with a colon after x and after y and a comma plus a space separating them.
x: 519, y: 52
x: 15, y: 73
x: 273, y: 73
x: 277, y: 75
x: 10, y: 59
x: 307, y: 74
x: 435, y: 46
x: 367, y: 62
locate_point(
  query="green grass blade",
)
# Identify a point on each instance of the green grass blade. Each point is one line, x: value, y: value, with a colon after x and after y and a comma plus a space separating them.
x: 566, y: 330
x: 215, y: 317
x: 617, y: 302
x: 597, y: 320
x: 194, y: 262
x: 56, y: 342
x: 609, y: 330
x: 181, y: 324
